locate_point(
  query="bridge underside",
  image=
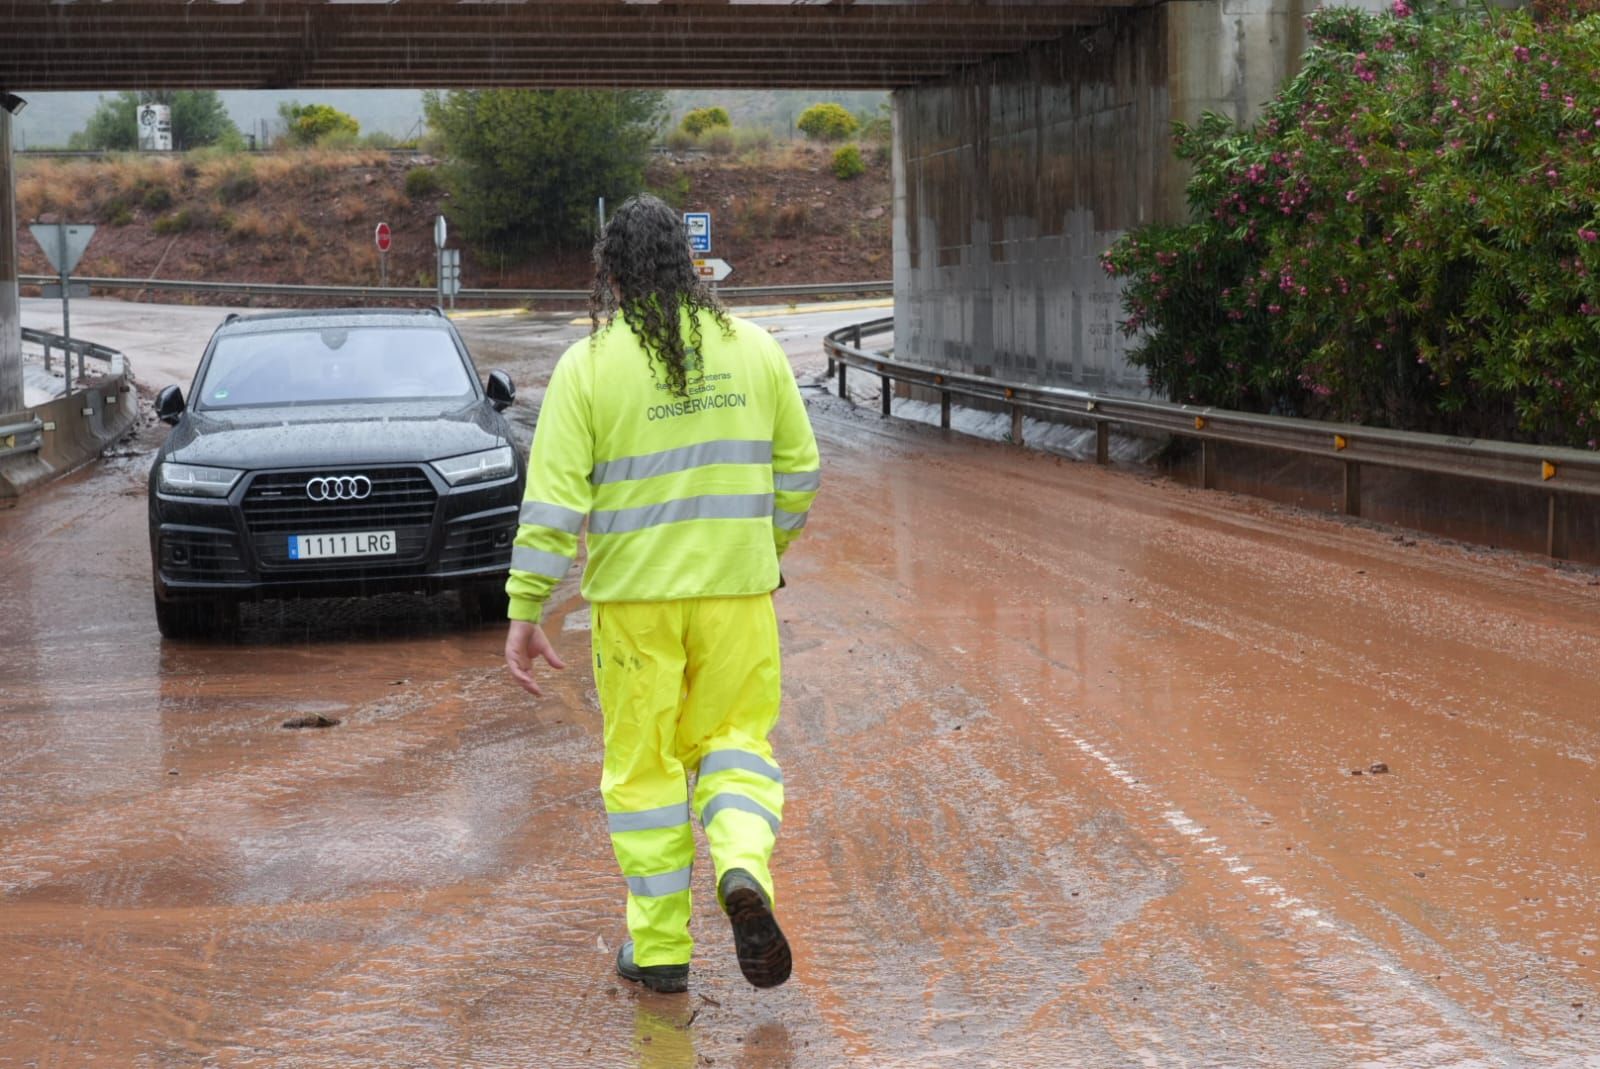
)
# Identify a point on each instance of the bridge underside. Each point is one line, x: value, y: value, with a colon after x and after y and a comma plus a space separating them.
x: 272, y: 44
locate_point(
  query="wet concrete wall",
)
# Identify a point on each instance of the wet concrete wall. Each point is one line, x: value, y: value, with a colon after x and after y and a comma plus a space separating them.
x: 1012, y: 177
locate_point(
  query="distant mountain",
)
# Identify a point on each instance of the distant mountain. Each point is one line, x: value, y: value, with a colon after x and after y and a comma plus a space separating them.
x: 51, y: 118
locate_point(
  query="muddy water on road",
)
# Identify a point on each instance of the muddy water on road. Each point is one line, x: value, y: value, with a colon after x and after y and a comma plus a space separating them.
x: 1070, y: 763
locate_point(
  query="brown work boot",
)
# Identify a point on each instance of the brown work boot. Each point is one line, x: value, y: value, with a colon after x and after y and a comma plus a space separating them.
x: 666, y: 979
x: 764, y: 956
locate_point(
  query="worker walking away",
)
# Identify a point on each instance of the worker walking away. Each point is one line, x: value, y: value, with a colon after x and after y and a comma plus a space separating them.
x: 679, y: 433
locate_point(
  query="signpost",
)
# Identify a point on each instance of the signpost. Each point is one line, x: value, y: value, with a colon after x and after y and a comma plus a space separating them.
x: 63, y: 245
x: 698, y: 226
x: 441, y: 231
x: 713, y: 270
x: 381, y: 238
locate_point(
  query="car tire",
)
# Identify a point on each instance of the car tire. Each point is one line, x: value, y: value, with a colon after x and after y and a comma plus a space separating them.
x: 196, y: 619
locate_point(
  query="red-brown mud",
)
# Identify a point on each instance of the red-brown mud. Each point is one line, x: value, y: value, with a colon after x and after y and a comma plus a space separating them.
x: 1069, y: 755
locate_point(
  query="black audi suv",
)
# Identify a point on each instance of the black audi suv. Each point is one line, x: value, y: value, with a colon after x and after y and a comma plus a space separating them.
x: 328, y: 454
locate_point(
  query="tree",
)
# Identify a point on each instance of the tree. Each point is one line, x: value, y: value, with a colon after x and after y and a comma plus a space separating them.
x: 198, y: 119
x: 826, y: 122
x: 526, y: 166
x: 310, y: 124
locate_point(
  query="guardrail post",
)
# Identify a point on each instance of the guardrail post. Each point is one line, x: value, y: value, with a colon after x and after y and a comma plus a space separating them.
x: 887, y: 393
x: 1208, y: 464
x: 47, y: 356
x: 832, y: 367
x: 855, y: 337
x: 1352, y: 488
x: 844, y: 390
x: 1016, y: 424
x: 944, y: 409
x: 1555, y: 535
x: 1102, y: 442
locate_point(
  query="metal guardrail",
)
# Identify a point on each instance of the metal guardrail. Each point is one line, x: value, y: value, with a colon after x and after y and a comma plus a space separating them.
x: 68, y: 346
x: 428, y: 295
x: 1555, y: 470
x: 26, y: 437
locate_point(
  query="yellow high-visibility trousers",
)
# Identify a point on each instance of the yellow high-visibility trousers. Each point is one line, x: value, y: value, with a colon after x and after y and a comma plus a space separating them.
x: 689, y: 686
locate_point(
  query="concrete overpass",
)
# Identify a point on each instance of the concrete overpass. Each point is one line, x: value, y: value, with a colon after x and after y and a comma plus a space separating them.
x: 1028, y: 133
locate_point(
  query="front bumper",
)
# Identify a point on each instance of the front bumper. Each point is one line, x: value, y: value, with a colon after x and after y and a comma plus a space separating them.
x: 447, y: 537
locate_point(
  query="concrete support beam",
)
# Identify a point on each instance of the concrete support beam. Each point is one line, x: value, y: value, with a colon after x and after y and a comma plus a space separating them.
x: 10, y: 301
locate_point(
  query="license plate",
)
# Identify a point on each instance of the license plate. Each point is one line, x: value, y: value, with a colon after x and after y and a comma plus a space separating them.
x: 350, y: 544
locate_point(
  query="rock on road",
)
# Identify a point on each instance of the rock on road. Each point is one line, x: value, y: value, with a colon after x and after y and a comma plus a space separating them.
x: 1072, y: 762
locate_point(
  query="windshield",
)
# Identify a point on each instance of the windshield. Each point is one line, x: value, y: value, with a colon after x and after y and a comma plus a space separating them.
x: 334, y: 364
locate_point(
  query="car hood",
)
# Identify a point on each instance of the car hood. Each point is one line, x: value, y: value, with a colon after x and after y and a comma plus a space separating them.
x: 306, y: 436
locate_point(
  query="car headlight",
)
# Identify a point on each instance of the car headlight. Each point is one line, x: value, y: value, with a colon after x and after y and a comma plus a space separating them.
x: 193, y: 480
x: 494, y: 463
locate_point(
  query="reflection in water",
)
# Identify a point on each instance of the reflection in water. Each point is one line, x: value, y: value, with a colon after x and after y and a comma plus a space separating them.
x: 661, y: 1037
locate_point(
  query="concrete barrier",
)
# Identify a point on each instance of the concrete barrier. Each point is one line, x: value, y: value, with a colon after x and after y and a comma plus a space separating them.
x: 76, y: 428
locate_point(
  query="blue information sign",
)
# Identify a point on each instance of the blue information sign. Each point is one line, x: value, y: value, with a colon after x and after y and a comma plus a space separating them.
x: 698, y: 226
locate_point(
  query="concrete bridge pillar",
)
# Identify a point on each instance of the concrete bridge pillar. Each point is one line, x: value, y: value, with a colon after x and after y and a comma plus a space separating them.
x: 1012, y: 176
x: 10, y: 302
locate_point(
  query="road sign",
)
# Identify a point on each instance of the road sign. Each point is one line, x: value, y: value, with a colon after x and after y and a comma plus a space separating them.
x: 440, y: 232
x: 155, y: 128
x: 698, y: 225
x: 450, y: 272
x: 382, y: 237
x: 713, y: 270
x: 63, y: 245
x: 63, y: 250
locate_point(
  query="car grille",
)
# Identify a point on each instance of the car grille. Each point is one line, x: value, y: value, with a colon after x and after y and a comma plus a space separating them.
x: 276, y: 506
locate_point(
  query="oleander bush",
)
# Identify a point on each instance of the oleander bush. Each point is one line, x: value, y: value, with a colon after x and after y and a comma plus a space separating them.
x: 1409, y: 236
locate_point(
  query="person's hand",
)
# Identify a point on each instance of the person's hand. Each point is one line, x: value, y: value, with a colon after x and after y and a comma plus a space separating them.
x: 524, y: 642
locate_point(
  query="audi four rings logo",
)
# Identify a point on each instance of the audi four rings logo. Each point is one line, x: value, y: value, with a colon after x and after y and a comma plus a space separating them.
x: 339, y: 488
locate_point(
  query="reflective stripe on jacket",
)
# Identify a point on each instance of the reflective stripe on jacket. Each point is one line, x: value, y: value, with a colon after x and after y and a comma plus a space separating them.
x: 685, y: 496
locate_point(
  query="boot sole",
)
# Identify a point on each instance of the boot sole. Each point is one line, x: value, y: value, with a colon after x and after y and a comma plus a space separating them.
x: 661, y: 985
x: 763, y: 951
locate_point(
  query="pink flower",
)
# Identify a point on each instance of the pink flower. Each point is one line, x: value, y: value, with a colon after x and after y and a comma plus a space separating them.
x: 1588, y: 235
x: 1350, y: 197
x: 1401, y: 9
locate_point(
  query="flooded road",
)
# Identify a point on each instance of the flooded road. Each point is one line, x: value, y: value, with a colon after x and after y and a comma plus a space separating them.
x: 1084, y: 769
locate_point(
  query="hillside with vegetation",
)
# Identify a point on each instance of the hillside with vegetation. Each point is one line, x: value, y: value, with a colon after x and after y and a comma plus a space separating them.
x: 779, y: 215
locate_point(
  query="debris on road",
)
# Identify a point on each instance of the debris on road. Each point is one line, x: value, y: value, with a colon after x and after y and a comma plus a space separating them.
x: 317, y: 721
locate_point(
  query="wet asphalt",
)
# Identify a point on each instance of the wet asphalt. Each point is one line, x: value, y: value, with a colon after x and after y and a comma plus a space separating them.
x: 1085, y: 768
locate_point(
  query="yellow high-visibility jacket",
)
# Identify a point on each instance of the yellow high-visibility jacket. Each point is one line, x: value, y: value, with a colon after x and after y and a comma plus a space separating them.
x: 685, y: 497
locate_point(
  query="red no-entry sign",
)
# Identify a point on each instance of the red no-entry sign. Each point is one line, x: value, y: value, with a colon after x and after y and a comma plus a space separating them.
x: 381, y: 236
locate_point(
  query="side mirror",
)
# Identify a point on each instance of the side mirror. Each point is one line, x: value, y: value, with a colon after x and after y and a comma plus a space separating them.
x: 500, y: 390
x: 169, y: 404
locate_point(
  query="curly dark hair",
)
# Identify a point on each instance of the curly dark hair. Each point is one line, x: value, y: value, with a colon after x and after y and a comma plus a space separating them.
x: 643, y: 269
